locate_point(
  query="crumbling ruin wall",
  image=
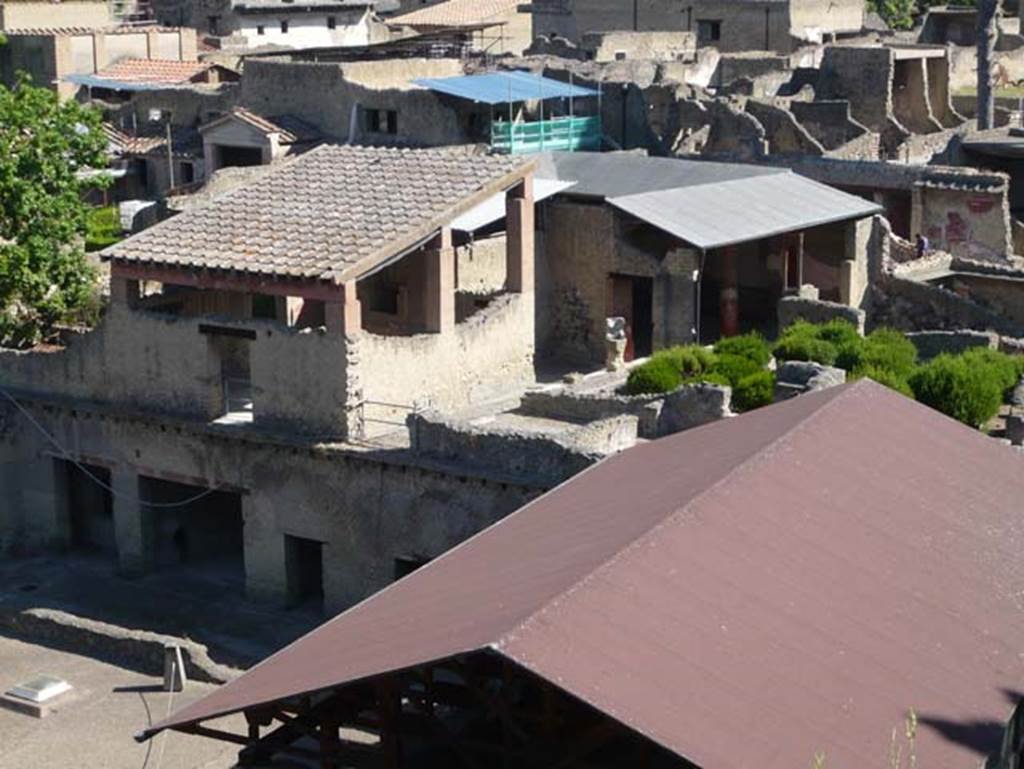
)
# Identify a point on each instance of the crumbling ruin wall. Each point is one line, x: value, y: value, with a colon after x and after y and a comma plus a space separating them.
x: 910, y: 305
x: 971, y: 223
x: 782, y: 131
x: 862, y: 76
x: 910, y: 96
x: 688, y: 406
x: 485, y: 356
x: 551, y: 457
x: 828, y: 121
x: 719, y: 128
x: 793, y: 308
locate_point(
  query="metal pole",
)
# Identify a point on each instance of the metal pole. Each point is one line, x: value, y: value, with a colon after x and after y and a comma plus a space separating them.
x: 540, y: 82
x: 170, y: 156
x: 572, y: 144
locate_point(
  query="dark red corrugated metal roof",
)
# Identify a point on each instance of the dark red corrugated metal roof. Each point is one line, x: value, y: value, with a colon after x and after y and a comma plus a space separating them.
x: 748, y: 593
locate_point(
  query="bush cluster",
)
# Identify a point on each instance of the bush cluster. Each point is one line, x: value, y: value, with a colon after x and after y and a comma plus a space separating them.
x: 957, y: 387
x: 969, y: 387
x: 738, y: 362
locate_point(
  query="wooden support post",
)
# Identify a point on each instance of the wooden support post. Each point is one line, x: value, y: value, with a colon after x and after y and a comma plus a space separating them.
x: 519, y: 237
x: 439, y: 283
x: 344, y: 317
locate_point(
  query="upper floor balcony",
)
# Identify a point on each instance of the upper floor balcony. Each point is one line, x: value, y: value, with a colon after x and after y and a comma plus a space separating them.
x: 293, y: 301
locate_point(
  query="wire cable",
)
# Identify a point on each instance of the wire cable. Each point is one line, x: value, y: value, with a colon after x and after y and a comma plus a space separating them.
x: 114, y: 492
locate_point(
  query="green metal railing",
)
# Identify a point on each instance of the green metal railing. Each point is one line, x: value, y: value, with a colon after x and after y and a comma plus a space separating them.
x: 562, y: 134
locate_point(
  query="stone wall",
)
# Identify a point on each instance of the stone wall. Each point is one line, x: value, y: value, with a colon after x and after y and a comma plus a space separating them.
x: 793, y: 308
x: 829, y: 122
x: 910, y: 305
x: 583, y: 245
x: 488, y: 355
x: 163, y: 364
x: 932, y: 343
x: 553, y: 457
x: 785, y: 135
x: 973, y: 224
x: 617, y: 45
x: 335, y: 98
x: 367, y: 508
x: 862, y: 76
x: 658, y: 415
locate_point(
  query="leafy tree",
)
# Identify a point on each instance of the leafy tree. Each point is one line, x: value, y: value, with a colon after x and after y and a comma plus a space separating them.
x: 898, y: 14
x: 44, y: 147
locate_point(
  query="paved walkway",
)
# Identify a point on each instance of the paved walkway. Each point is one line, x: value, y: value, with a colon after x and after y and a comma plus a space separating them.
x: 93, y: 724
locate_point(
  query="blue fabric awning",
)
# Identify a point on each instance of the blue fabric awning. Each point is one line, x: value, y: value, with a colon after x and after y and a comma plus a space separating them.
x: 94, y: 81
x: 504, y: 87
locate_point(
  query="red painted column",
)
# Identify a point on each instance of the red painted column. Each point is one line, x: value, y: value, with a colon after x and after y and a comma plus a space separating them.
x: 729, y: 298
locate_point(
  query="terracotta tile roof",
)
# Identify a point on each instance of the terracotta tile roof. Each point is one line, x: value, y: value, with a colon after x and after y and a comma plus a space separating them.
x: 186, y: 141
x: 330, y: 214
x: 291, y: 129
x: 745, y: 594
x: 153, y: 71
x: 459, y: 13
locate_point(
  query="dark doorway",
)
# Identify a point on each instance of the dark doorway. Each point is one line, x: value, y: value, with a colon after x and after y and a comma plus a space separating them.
x: 238, y: 156
x: 304, y: 566
x: 197, y: 528
x: 90, y: 506
x: 631, y: 297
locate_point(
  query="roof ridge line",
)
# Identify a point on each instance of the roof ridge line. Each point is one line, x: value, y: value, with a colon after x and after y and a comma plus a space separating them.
x: 672, y: 516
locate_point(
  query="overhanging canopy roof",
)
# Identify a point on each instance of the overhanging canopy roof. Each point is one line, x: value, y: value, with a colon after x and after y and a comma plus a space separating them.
x: 493, y: 209
x: 725, y: 213
x: 706, y: 204
x: 748, y: 593
x: 95, y: 81
x: 504, y: 87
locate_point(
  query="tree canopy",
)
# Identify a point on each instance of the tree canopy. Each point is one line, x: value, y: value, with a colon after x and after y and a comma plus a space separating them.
x: 45, y: 146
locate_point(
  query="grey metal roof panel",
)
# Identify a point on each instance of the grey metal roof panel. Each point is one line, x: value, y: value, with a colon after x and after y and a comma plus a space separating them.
x: 611, y: 174
x: 744, y: 209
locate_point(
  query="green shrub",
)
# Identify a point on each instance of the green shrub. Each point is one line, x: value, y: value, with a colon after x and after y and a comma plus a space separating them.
x: 102, y: 228
x: 885, y: 377
x: 753, y: 391
x: 883, y: 349
x: 735, y: 367
x: 802, y: 341
x: 1005, y: 368
x: 959, y: 388
x: 838, y: 331
x: 690, y: 360
x: 658, y: 375
x: 716, y: 379
x: 806, y: 348
x: 751, y: 346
